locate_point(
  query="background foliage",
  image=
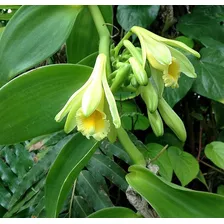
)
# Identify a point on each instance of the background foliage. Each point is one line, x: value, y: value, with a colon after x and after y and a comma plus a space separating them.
x: 95, y: 176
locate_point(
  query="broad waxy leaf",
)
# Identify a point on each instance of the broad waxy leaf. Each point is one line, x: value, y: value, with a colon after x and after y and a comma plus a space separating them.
x: 115, y: 212
x: 163, y: 161
x: 84, y: 38
x: 204, y: 21
x: 136, y: 15
x: 88, y: 188
x: 215, y: 152
x: 185, y: 166
x: 174, y: 95
x: 66, y: 168
x: 209, y: 69
x: 33, y: 34
x: 172, y: 201
x: 37, y: 96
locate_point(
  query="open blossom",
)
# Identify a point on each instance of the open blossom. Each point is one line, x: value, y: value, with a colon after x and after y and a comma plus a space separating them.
x: 161, y: 56
x: 86, y: 107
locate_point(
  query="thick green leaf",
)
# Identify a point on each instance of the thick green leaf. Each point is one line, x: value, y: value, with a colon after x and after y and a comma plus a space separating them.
x: 115, y: 212
x: 185, y: 166
x: 88, y: 188
x: 84, y: 38
x: 173, y: 96
x: 172, y: 201
x: 108, y: 168
x: 32, y: 35
x: 204, y: 21
x: 215, y: 152
x: 70, y: 161
x: 80, y: 207
x: 163, y: 161
x: 37, y: 97
x: 136, y: 15
x: 209, y: 69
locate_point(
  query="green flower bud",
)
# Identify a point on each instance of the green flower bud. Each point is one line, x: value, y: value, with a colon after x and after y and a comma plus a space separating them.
x: 156, y: 123
x: 139, y: 72
x: 172, y: 120
x: 150, y: 96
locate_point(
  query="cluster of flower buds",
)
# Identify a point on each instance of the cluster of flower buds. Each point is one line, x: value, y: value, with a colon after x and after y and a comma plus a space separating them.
x: 93, y: 109
x: 147, y: 70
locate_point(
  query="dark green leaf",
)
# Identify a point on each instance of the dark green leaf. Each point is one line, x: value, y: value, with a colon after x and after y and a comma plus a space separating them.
x: 209, y: 69
x: 115, y: 149
x: 37, y: 97
x: 172, y: 201
x: 173, y: 96
x: 71, y: 160
x: 218, y: 109
x: 204, y: 21
x: 215, y: 152
x: 88, y: 188
x: 136, y: 15
x: 108, y: 168
x: 38, y: 170
x: 115, y: 212
x: 32, y: 35
x: 80, y: 208
x: 89, y: 60
x: 163, y: 161
x: 5, y: 196
x: 185, y: 166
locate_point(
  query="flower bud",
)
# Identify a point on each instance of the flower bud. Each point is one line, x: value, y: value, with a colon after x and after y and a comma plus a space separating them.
x: 139, y: 73
x: 156, y: 123
x: 172, y: 120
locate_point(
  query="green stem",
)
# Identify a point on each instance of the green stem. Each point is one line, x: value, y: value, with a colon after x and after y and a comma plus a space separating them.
x: 104, y: 47
x: 135, y: 155
x: 104, y: 34
x: 120, y: 44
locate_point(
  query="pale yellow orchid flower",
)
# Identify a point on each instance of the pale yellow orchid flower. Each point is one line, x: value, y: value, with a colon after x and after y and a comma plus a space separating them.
x: 85, y: 108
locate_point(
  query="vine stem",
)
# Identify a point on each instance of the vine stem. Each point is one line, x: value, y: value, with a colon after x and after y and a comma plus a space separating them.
x: 159, y: 154
x: 104, y: 34
x: 214, y: 168
x: 135, y: 155
x: 120, y: 44
x: 104, y: 47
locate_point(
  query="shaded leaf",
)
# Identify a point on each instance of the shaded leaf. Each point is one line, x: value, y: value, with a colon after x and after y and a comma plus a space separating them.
x: 203, y: 21
x: 163, y: 161
x: 109, y: 169
x: 90, y: 191
x: 185, y: 166
x: 215, y: 152
x: 115, y: 212
x: 136, y: 15
x: 80, y: 207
